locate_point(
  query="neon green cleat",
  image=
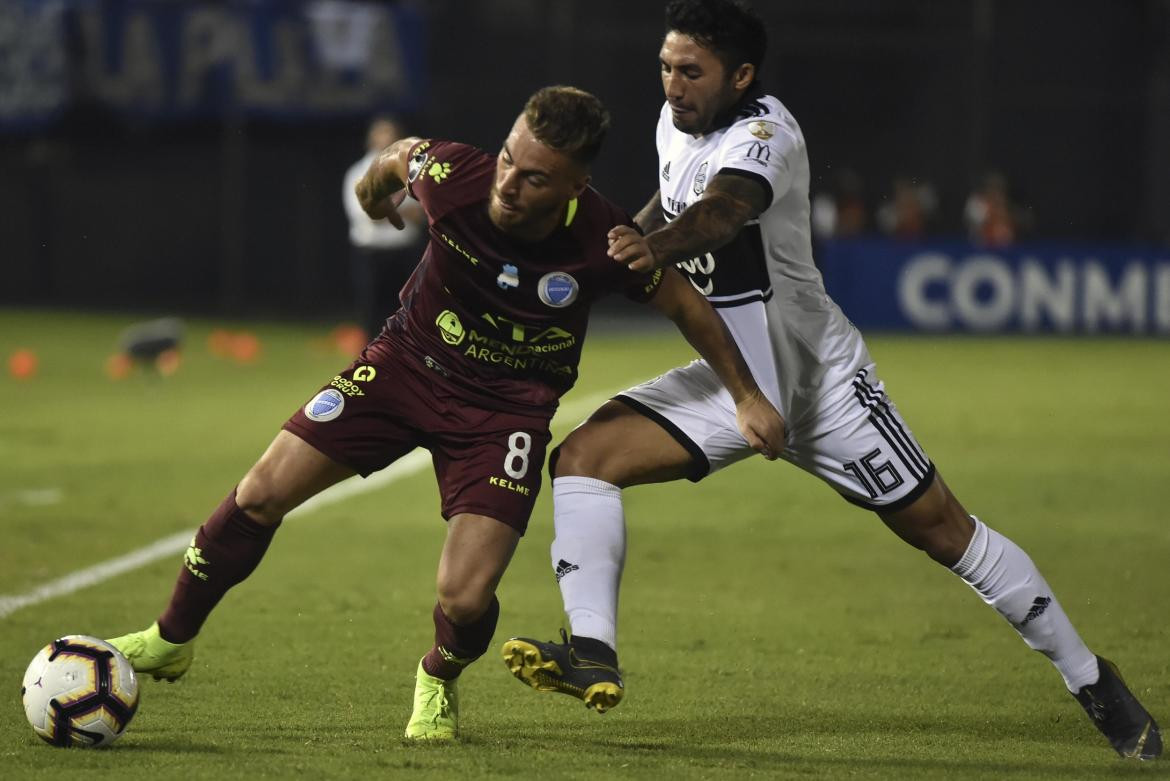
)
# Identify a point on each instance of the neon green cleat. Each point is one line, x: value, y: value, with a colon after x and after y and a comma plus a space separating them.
x: 149, y: 653
x: 436, y: 708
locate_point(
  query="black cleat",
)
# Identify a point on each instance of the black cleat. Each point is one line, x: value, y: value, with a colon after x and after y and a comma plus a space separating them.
x: 1130, y: 728
x: 583, y: 668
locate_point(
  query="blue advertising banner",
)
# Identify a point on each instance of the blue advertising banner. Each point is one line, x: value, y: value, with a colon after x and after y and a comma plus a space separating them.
x: 162, y: 60
x: 1026, y: 288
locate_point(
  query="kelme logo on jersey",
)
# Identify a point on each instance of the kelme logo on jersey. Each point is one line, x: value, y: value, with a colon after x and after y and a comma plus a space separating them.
x: 701, y: 180
x: 509, y: 277
x: 557, y: 289
x: 450, y: 327
x: 325, y: 406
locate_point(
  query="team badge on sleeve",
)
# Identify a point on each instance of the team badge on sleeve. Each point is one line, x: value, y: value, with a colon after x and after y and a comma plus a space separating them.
x: 557, y: 289
x: 325, y: 406
x: 762, y: 129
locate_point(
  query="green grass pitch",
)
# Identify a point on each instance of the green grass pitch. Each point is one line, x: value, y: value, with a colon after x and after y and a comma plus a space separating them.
x: 768, y: 628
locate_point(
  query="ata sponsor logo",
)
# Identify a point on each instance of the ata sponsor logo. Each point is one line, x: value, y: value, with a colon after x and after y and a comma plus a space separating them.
x: 325, y: 406
x: 557, y: 289
x: 364, y: 373
x: 503, y: 482
x: 523, y: 333
x: 450, y: 327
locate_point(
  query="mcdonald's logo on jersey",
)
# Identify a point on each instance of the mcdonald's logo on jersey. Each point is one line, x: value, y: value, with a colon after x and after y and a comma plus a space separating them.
x: 759, y: 152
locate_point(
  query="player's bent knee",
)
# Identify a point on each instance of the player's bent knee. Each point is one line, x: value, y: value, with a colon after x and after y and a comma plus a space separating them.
x: 464, y: 605
x: 935, y: 524
x: 570, y: 458
x: 256, y: 496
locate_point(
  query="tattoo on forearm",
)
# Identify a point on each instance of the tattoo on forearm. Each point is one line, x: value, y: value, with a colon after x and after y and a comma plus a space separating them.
x: 729, y: 202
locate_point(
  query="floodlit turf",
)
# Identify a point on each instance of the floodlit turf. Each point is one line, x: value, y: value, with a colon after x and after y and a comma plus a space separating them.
x: 768, y: 628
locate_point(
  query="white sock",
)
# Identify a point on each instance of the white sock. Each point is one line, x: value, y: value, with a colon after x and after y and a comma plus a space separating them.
x: 1006, y: 578
x: 588, y: 553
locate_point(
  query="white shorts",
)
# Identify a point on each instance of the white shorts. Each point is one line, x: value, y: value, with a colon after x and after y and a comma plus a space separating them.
x: 853, y: 439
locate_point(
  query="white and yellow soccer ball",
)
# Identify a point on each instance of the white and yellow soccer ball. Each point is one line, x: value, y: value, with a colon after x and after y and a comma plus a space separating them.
x: 79, y: 691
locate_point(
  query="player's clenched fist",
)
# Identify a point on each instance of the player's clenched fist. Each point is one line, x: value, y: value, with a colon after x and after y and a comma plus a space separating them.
x: 380, y: 191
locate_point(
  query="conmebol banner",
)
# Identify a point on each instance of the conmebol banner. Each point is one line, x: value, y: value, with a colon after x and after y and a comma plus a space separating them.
x: 1028, y: 288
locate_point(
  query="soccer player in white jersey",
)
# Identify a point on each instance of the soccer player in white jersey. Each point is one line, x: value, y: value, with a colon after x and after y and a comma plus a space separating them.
x: 732, y: 212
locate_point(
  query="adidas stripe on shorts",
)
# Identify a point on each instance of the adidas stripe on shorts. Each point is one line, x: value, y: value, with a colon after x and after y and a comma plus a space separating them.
x: 853, y: 438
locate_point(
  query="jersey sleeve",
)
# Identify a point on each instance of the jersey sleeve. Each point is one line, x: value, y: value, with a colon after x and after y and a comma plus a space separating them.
x: 443, y: 175
x: 762, y: 150
x: 643, y: 287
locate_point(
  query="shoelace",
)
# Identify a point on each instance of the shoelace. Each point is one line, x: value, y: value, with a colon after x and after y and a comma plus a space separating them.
x: 444, y: 704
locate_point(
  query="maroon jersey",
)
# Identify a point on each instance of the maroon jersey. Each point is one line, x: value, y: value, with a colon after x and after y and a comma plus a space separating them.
x: 496, y: 316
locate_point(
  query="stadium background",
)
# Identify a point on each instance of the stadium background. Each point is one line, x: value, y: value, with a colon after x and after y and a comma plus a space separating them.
x: 184, y: 157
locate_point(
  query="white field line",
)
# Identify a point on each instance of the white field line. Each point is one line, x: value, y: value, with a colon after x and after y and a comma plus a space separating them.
x: 413, y: 462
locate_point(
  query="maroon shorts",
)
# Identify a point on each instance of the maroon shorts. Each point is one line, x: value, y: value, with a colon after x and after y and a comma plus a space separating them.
x: 388, y: 402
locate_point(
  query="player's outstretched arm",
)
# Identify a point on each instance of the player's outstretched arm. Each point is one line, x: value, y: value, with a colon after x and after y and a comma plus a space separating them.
x: 759, y: 422
x: 728, y: 203
x: 381, y: 188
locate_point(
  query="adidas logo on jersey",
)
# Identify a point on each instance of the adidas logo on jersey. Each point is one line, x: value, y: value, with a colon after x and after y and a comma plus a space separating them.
x: 666, y: 172
x: 1038, y: 607
x: 564, y: 568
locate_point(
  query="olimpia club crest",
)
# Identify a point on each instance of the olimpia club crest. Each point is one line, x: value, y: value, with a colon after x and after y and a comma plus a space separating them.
x: 557, y: 289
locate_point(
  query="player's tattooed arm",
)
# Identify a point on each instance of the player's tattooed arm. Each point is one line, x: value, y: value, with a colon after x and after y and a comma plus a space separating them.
x: 651, y: 217
x: 381, y: 188
x: 728, y: 203
x: 758, y: 421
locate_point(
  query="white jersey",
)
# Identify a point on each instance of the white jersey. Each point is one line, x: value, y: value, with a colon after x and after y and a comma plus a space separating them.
x: 764, y: 283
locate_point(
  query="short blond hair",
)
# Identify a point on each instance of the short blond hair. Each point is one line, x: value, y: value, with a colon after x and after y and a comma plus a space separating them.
x: 568, y: 120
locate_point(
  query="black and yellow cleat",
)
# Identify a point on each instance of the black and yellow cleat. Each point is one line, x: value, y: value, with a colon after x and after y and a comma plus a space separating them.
x: 1130, y: 728
x: 582, y: 667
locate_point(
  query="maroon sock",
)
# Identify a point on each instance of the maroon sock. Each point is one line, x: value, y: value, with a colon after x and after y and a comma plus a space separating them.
x: 226, y: 549
x: 458, y: 645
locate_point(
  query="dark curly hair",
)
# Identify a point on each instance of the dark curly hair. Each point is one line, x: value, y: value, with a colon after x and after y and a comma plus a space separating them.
x: 569, y: 120
x: 729, y: 28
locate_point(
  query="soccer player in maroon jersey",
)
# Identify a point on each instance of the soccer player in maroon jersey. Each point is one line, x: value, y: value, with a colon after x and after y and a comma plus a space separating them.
x: 470, y: 367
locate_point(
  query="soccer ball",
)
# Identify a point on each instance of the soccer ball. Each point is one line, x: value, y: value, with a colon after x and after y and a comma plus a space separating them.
x: 79, y: 691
